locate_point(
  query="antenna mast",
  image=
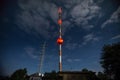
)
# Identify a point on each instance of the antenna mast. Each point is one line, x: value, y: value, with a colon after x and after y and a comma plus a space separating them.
x: 60, y: 40
x: 42, y: 58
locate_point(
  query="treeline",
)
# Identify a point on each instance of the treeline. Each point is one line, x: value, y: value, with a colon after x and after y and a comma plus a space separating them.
x: 21, y: 74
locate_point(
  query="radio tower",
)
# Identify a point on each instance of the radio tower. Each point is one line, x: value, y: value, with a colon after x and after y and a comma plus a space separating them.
x: 60, y: 40
x: 41, y: 59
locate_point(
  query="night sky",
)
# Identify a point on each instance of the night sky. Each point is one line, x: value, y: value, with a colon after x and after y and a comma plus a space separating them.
x: 26, y: 24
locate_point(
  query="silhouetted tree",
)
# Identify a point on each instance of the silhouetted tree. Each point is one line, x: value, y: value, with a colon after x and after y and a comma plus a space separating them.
x: 92, y: 75
x: 110, y: 60
x: 102, y: 76
x: 4, y: 78
x: 51, y: 76
x: 85, y: 70
x: 19, y: 75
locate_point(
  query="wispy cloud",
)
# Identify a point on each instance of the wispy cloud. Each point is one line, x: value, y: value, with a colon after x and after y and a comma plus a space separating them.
x: 35, y: 17
x: 116, y: 37
x: 71, y: 46
x: 89, y: 38
x: 73, y: 60
x: 84, y: 12
x: 115, y: 17
x: 31, y: 52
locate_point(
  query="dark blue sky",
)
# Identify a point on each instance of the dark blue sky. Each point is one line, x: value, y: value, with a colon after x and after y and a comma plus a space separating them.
x: 26, y: 24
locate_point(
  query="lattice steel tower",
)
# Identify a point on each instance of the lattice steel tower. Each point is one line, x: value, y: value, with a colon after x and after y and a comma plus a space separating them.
x: 42, y: 58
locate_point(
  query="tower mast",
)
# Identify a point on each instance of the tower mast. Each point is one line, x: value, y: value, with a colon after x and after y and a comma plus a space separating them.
x: 60, y: 40
x: 42, y: 58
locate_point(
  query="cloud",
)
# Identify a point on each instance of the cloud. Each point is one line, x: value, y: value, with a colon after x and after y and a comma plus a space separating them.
x: 40, y: 17
x: 66, y: 26
x: 116, y: 37
x: 84, y: 9
x: 89, y: 38
x: 115, y: 18
x: 73, y: 60
x: 71, y: 46
x: 84, y: 12
x: 31, y: 52
x: 36, y: 17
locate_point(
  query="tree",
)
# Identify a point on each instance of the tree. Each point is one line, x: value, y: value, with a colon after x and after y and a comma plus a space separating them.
x: 52, y: 76
x: 4, y: 78
x: 102, y: 76
x: 85, y: 70
x: 91, y: 76
x: 19, y: 75
x: 110, y: 60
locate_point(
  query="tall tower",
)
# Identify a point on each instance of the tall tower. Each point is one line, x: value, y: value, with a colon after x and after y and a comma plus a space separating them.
x: 60, y: 40
x: 42, y: 58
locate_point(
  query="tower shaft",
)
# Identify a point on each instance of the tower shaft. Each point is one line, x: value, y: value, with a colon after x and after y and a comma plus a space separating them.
x: 60, y: 40
x: 60, y: 57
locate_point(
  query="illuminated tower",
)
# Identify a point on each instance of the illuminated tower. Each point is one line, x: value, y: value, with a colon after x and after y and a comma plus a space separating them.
x: 60, y: 40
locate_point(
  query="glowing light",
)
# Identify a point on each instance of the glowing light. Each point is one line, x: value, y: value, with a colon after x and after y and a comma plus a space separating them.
x: 60, y: 41
x: 60, y: 10
x: 59, y: 21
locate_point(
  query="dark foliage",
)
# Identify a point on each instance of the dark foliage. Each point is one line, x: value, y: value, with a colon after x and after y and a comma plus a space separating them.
x: 4, y: 78
x: 110, y: 60
x: 19, y: 75
x: 52, y: 76
x: 91, y: 76
x: 102, y: 76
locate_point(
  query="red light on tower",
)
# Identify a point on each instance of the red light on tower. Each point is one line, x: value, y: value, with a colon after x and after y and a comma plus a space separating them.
x: 60, y: 41
x: 60, y: 10
x: 59, y: 21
